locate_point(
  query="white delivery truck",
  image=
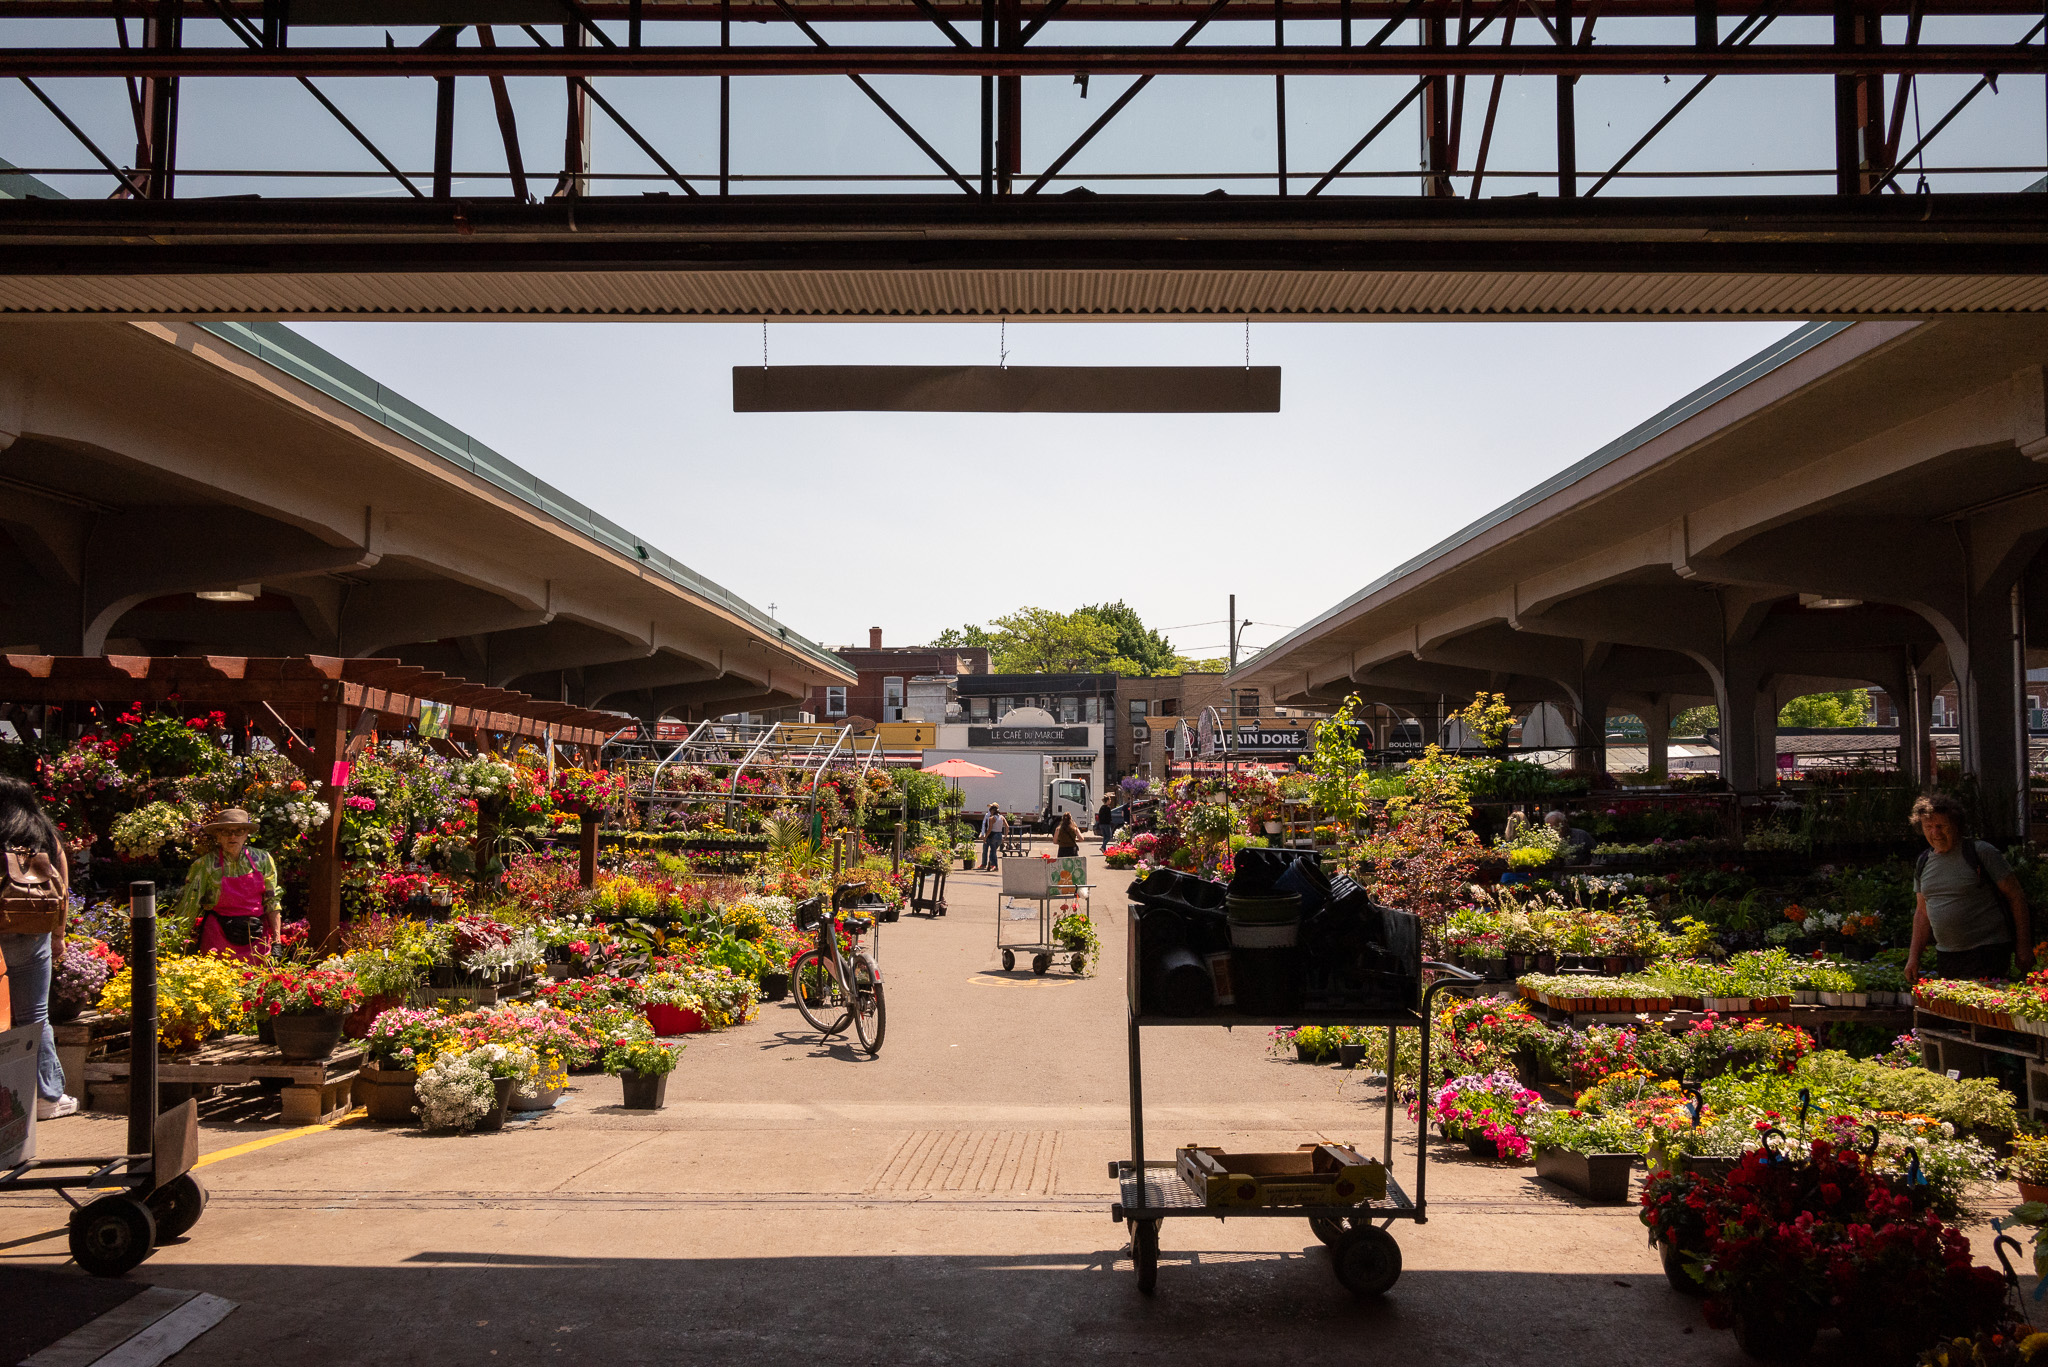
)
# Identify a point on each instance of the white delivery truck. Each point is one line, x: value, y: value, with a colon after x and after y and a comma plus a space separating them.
x: 1030, y: 786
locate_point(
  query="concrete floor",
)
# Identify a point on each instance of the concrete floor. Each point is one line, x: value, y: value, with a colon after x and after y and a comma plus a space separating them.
x: 945, y: 1203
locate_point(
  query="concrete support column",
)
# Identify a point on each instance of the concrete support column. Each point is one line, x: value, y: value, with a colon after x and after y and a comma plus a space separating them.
x: 1916, y: 725
x: 1749, y: 730
x: 1656, y: 720
x: 1992, y: 691
x: 1590, y: 754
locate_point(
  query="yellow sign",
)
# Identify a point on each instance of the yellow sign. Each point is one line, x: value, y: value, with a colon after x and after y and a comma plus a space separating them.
x: 907, y: 735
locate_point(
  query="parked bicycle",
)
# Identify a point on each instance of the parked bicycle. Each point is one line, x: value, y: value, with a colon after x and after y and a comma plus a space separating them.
x: 837, y: 983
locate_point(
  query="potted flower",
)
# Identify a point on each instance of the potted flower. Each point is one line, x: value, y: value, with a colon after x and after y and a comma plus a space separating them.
x: 1077, y: 933
x: 642, y: 1067
x: 470, y: 1089
x: 1681, y: 1209
x: 401, y: 1041
x: 1486, y: 1111
x: 673, y: 1004
x: 2029, y: 1165
x: 1590, y: 1153
x: 305, y: 1006
x: 81, y: 975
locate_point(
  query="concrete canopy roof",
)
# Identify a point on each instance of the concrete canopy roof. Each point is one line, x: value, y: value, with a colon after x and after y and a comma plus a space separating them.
x: 146, y: 462
x: 1892, y: 463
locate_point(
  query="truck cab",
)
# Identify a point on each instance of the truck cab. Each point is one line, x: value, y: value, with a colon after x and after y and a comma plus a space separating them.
x: 1068, y: 797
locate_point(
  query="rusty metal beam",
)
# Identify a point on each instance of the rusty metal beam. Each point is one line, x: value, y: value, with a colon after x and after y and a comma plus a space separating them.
x: 1778, y: 59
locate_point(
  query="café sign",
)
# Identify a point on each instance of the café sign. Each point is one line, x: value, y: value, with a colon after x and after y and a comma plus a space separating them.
x: 1065, y: 737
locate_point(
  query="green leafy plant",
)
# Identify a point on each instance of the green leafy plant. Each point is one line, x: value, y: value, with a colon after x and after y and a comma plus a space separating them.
x: 643, y: 1056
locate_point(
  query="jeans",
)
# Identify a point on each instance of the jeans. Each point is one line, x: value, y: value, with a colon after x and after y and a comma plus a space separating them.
x: 1986, y: 961
x: 28, y: 984
x: 989, y: 845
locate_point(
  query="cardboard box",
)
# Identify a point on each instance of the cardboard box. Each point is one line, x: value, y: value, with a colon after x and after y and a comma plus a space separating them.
x: 1036, y: 876
x: 1313, y: 1175
x: 18, y: 1094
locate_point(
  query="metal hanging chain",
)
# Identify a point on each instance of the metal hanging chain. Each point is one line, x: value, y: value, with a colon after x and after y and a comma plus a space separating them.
x: 764, y: 341
x: 1003, y: 345
x: 1247, y: 344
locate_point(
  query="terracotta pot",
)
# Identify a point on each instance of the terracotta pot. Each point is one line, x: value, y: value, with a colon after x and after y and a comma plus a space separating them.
x: 2033, y: 1191
x: 673, y: 1020
x: 357, y: 1023
x: 387, y: 1094
x: 308, y: 1037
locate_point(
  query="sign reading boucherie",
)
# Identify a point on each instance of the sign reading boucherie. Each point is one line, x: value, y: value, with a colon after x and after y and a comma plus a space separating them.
x: 1067, y: 736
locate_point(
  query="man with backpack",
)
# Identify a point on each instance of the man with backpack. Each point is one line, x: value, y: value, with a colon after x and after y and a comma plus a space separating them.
x: 1968, y: 901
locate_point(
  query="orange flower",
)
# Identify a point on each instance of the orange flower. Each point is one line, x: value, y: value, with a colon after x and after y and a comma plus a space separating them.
x: 1795, y: 912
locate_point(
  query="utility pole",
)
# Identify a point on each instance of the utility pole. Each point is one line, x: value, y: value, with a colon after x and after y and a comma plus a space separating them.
x: 1230, y: 626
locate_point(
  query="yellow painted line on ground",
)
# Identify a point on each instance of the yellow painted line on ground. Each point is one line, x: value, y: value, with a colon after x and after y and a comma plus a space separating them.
x: 253, y: 1145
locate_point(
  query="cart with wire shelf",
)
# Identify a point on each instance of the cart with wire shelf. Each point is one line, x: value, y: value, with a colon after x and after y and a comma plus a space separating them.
x: 146, y: 1196
x: 1364, y: 1255
x: 1051, y: 885
x: 928, y: 890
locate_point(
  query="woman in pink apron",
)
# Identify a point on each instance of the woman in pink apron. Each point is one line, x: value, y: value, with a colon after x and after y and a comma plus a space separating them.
x: 231, y: 891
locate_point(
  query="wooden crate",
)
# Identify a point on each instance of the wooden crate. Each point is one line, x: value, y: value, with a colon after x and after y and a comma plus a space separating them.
x: 1313, y: 1175
x: 314, y: 1092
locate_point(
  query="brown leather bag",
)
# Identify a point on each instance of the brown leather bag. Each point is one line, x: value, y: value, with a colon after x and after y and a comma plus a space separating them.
x: 32, y: 897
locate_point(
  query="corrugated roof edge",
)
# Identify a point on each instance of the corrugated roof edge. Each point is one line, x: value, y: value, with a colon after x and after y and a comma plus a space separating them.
x: 19, y: 184
x: 1786, y: 348
x: 277, y: 345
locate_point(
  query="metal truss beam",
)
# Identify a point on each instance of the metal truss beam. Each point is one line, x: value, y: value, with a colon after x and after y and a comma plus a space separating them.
x: 1068, y: 11
x: 1786, y: 59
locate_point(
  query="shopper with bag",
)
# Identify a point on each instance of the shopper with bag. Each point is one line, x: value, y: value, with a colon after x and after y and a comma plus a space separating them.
x: 231, y: 891
x: 35, y: 897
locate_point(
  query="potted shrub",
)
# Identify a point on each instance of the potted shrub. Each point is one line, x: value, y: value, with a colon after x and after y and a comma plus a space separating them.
x: 1590, y: 1153
x: 2029, y: 1165
x: 642, y: 1067
x: 399, y: 1040
x: 305, y: 1007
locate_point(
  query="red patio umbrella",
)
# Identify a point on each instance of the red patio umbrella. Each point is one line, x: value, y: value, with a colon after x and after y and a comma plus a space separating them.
x: 960, y: 768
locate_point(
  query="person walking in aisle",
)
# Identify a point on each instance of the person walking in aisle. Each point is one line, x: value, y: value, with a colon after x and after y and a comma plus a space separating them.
x: 1066, y: 837
x: 34, y: 861
x: 992, y: 827
x: 1105, y: 822
x: 1968, y: 901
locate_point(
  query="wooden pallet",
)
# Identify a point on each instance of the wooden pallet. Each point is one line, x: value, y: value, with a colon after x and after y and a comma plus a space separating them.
x: 315, y: 1092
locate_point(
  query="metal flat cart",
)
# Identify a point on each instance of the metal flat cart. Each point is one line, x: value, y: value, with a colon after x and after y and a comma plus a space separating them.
x: 1044, y: 951
x: 150, y: 1195
x: 1364, y: 1255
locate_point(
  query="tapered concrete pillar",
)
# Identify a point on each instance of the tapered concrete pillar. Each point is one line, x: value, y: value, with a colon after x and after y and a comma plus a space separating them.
x: 1656, y: 718
x: 1992, y: 691
x: 1749, y: 730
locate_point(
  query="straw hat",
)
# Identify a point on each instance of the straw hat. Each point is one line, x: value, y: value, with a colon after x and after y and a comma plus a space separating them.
x: 230, y: 819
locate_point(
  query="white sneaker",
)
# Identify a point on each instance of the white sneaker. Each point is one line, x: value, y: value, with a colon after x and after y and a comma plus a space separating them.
x: 51, y: 1110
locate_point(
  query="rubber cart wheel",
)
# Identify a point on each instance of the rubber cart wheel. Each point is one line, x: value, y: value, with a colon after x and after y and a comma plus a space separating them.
x: 1080, y: 963
x: 1145, y: 1253
x: 177, y: 1206
x: 1009, y: 961
x: 1368, y: 1261
x: 1330, y: 1229
x: 112, y: 1235
x: 1041, y: 963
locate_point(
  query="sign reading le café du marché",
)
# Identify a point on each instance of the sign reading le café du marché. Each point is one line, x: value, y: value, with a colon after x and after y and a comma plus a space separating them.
x: 1065, y: 736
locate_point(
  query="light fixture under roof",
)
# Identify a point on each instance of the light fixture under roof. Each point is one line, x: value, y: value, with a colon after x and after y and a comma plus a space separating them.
x: 1821, y: 600
x: 243, y: 593
x: 1005, y: 389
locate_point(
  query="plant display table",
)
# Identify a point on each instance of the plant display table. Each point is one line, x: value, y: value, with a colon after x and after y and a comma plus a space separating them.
x: 314, y: 1092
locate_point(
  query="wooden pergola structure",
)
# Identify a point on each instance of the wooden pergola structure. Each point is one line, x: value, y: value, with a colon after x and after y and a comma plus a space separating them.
x: 318, y: 710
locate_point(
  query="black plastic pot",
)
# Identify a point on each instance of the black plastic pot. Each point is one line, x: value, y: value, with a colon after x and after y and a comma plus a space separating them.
x: 774, y: 986
x: 645, y: 1091
x: 495, y: 1120
x: 307, y: 1037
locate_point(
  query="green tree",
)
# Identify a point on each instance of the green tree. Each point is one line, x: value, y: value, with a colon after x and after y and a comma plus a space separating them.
x: 1134, y: 640
x: 963, y: 638
x: 1045, y: 641
x: 1183, y: 665
x: 1696, y: 721
x: 1849, y: 707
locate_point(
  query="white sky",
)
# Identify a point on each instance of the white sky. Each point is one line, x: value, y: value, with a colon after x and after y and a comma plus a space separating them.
x: 1390, y: 437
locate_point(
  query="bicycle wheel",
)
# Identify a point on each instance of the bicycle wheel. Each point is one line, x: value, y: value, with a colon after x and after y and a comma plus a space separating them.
x: 817, y: 996
x: 870, y: 1012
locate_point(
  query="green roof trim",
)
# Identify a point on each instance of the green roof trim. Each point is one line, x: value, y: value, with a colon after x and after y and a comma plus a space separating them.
x: 16, y: 184
x: 1786, y: 348
x: 278, y: 346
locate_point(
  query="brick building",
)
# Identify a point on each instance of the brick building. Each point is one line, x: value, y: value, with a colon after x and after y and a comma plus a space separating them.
x: 883, y: 692
x: 1141, y: 703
